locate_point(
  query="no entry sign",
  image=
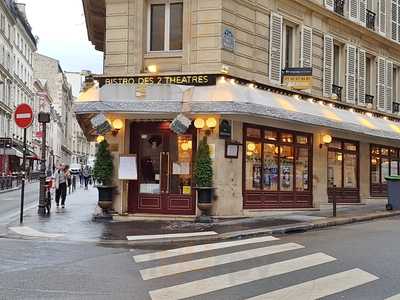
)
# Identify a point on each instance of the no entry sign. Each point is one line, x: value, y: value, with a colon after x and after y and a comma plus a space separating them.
x: 23, y: 115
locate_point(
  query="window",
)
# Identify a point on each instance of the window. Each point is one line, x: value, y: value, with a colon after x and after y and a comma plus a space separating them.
x: 277, y: 160
x: 384, y: 161
x: 368, y: 69
x: 165, y: 26
x: 288, y: 46
x: 343, y: 164
x: 336, y: 65
x: 395, y: 83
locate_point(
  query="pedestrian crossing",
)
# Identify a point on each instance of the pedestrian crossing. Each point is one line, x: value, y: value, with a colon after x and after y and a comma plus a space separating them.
x: 327, y: 285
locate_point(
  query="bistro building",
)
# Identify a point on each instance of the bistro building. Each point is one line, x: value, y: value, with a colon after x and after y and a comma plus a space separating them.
x: 298, y: 100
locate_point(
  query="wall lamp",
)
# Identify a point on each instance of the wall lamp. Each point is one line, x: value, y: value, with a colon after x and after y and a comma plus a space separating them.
x: 209, y: 124
x: 326, y: 140
x: 117, y: 125
x: 100, y: 139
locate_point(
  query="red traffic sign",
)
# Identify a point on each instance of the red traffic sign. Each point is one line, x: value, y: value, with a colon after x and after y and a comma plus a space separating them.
x: 23, y: 115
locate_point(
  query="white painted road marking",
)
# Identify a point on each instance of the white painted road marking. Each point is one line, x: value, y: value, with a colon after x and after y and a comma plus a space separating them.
x: 23, y: 116
x: 200, y: 248
x: 224, y: 281
x: 395, y: 297
x: 172, y: 235
x: 321, y: 287
x: 28, y: 231
x: 213, y: 261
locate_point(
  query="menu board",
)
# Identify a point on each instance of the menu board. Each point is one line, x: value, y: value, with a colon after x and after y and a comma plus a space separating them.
x: 127, y: 167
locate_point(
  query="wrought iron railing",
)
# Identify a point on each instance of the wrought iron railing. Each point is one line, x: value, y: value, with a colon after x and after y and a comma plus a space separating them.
x: 369, y: 99
x: 396, y: 107
x: 370, y: 19
x: 337, y: 90
x: 339, y: 7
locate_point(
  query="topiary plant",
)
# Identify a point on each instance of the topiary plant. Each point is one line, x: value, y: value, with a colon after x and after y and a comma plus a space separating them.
x: 103, y: 166
x: 203, y: 172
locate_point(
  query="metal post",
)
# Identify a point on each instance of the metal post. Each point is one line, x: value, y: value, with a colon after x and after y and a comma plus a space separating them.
x: 4, y: 157
x: 21, y: 216
x: 42, y: 191
x: 334, y: 200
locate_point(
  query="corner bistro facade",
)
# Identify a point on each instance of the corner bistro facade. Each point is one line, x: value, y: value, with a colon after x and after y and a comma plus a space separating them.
x: 282, y: 162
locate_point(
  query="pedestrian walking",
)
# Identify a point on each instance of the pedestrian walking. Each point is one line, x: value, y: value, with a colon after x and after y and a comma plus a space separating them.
x: 69, y: 179
x: 73, y: 183
x: 86, y: 176
x: 60, y: 179
x: 81, y: 179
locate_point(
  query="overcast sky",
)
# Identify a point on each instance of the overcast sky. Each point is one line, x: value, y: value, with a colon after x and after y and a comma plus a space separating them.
x: 60, y: 26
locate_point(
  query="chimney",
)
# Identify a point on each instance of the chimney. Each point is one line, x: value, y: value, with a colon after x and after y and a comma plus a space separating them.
x: 21, y: 8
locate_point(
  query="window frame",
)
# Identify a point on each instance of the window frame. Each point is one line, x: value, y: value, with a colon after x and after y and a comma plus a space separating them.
x: 167, y: 8
x: 263, y: 141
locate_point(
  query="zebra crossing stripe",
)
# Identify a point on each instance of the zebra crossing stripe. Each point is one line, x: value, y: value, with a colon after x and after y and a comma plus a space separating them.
x: 200, y: 248
x: 213, y: 261
x: 395, y: 297
x: 215, y: 283
x: 167, y: 236
x: 321, y: 287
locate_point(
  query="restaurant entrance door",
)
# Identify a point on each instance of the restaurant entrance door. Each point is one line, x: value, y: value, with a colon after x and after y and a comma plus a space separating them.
x: 164, y: 160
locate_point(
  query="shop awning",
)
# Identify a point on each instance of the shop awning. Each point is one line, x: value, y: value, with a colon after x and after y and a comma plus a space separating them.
x: 228, y: 98
x: 11, y: 152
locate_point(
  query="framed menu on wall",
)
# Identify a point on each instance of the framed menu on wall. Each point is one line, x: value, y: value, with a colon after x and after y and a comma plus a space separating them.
x: 127, y: 167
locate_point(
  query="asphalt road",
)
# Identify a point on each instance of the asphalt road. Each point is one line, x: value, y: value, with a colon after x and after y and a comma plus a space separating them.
x: 10, y: 202
x: 359, y: 261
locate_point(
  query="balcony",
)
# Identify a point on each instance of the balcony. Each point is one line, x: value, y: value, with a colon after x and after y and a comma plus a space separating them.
x: 338, y: 91
x: 339, y: 7
x: 370, y: 19
x: 396, y: 107
x: 369, y: 99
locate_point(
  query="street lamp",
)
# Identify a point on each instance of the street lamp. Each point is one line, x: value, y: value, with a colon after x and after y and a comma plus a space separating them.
x: 44, y: 118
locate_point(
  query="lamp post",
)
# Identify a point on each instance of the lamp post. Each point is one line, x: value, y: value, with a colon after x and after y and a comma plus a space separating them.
x: 44, y: 118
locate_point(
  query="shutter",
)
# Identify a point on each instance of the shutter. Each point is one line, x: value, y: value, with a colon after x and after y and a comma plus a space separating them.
x: 353, y: 10
x: 363, y: 12
x: 389, y: 86
x: 328, y: 66
x: 329, y: 4
x: 306, y: 47
x: 382, y: 16
x: 351, y: 74
x: 275, y: 51
x: 395, y: 20
x: 362, y: 59
x: 380, y: 82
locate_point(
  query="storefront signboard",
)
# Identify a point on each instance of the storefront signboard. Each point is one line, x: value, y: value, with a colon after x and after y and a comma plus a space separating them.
x: 180, y: 124
x: 297, y: 78
x: 101, y: 124
x: 127, y: 167
x: 192, y: 79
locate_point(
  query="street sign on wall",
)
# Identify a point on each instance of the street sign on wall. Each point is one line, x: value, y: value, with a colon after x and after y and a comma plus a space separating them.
x: 23, y: 115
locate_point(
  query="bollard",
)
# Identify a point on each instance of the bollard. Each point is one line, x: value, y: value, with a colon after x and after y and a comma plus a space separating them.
x: 334, y: 201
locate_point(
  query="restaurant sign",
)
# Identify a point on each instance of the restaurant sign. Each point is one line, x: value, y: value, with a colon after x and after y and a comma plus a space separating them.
x: 297, y: 78
x: 194, y: 80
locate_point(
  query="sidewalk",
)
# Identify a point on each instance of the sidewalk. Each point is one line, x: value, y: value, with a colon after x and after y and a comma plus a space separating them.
x: 74, y: 223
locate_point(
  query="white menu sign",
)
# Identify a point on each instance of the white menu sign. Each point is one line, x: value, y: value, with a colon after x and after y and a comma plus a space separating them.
x: 127, y: 168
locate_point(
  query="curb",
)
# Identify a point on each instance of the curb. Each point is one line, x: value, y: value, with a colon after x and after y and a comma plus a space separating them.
x: 278, y: 230
x: 10, y: 190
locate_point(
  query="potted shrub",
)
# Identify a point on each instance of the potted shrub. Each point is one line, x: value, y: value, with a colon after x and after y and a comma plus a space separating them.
x: 203, y: 176
x: 102, y: 173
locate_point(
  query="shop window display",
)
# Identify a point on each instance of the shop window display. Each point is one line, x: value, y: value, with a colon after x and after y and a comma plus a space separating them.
x: 278, y: 162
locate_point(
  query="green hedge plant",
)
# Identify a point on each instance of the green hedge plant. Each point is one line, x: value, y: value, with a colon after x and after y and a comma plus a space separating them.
x: 203, y: 172
x: 103, y: 166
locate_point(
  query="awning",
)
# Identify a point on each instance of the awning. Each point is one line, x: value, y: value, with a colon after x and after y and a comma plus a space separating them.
x: 228, y: 98
x: 11, y: 152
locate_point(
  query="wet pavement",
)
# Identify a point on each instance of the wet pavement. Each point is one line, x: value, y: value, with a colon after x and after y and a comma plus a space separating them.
x: 75, y: 222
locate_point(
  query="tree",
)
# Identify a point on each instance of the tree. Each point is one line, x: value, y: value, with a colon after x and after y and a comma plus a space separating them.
x: 203, y: 172
x: 103, y: 166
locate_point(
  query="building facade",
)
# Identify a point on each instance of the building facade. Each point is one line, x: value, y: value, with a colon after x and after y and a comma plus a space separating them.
x: 17, y: 45
x: 231, y: 66
x: 59, y: 89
